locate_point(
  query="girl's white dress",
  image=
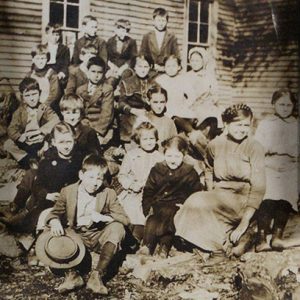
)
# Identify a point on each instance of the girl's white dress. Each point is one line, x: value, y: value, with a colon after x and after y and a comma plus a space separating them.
x: 136, y: 167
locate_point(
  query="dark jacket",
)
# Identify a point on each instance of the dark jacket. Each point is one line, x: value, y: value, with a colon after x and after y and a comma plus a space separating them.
x: 129, y: 50
x: 169, y: 187
x: 62, y: 59
x: 76, y: 79
x: 97, y: 41
x: 150, y: 48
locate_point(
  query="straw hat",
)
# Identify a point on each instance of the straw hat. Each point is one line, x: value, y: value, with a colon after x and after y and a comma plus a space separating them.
x: 60, y: 252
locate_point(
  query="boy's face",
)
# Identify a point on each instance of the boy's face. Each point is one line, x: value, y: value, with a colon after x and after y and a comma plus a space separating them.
x: 52, y: 36
x: 72, y: 116
x: 160, y: 23
x: 239, y: 129
x: 31, y: 98
x: 158, y: 103
x: 284, y: 106
x: 95, y: 74
x: 86, y: 56
x: 141, y: 68
x: 121, y: 32
x: 173, y: 158
x: 91, y: 179
x: 196, y: 62
x: 64, y: 143
x: 40, y: 61
x: 90, y: 28
x: 171, y: 67
x: 147, y: 140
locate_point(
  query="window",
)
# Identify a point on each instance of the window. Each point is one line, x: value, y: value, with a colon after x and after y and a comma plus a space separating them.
x: 68, y: 13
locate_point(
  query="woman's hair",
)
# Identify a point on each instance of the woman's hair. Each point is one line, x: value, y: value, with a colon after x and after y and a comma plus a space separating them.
x: 136, y: 136
x: 40, y: 50
x: 176, y: 142
x: 237, y: 112
x: 29, y: 84
x: 157, y: 89
x: 96, y: 61
x: 172, y: 56
x: 94, y: 160
x: 148, y: 59
x: 283, y: 92
x: 61, y: 127
x: 72, y: 102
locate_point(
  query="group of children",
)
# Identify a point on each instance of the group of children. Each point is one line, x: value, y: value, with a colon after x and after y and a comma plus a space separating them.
x: 109, y: 94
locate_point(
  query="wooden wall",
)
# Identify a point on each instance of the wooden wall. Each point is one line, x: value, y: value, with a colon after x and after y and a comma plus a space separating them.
x: 20, y: 30
x: 266, y: 56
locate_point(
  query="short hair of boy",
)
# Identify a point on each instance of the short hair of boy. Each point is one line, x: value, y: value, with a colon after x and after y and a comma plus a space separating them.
x: 87, y: 19
x: 88, y: 48
x: 176, y: 142
x: 147, y: 58
x: 40, y: 49
x: 123, y: 23
x: 61, y: 127
x: 157, y: 89
x: 172, y: 56
x: 96, y: 61
x: 160, y: 12
x: 94, y: 160
x: 55, y: 28
x: 72, y: 102
x: 143, y: 126
x: 29, y: 84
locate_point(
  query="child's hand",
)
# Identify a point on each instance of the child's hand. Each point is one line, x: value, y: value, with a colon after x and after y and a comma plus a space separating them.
x: 56, y: 227
x: 61, y: 75
x: 22, y: 137
x: 52, y: 196
x: 97, y: 217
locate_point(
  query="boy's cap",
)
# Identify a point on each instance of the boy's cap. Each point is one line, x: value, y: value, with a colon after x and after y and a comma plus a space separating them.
x: 123, y: 23
x: 60, y: 252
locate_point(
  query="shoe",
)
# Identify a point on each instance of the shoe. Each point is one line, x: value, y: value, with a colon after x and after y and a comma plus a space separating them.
x: 244, y: 244
x: 144, y: 250
x: 96, y: 285
x: 262, y: 244
x: 276, y: 241
x: 72, y: 281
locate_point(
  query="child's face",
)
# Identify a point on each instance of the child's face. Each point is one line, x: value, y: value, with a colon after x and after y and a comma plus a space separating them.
x: 141, y: 68
x: 284, y: 106
x: 121, y: 32
x: 160, y: 23
x: 72, y: 116
x: 91, y: 179
x: 64, y: 143
x: 40, y: 61
x: 196, y: 62
x: 147, y: 140
x: 238, y: 130
x: 173, y: 158
x: 171, y: 67
x: 86, y: 56
x: 158, y: 103
x: 90, y: 28
x: 52, y: 36
x: 31, y: 98
x: 95, y: 74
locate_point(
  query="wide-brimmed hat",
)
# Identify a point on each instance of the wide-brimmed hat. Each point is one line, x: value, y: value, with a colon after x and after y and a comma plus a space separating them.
x: 124, y: 24
x: 60, y: 252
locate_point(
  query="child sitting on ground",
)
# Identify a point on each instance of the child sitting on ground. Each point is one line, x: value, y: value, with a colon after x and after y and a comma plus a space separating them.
x: 159, y: 43
x: 93, y: 210
x: 72, y: 110
x: 78, y: 74
x: 45, y: 76
x: 98, y: 100
x: 89, y: 28
x: 30, y: 123
x: 133, y: 100
x: 59, y: 53
x: 134, y: 172
x: 278, y: 134
x: 169, y: 184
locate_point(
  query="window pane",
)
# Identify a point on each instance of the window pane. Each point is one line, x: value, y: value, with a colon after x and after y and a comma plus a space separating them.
x: 204, y: 11
x: 56, y: 14
x: 203, y: 33
x: 193, y: 13
x: 72, y: 16
x: 193, y: 28
x: 73, y: 1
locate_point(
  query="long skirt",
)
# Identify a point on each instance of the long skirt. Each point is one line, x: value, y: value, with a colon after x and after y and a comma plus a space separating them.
x: 207, y: 219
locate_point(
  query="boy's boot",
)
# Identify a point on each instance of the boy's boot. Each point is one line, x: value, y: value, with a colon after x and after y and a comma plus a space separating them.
x: 276, y: 242
x: 95, y: 282
x: 72, y: 281
x: 262, y: 244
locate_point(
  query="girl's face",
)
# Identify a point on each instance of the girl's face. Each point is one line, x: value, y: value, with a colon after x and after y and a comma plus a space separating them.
x: 196, y: 62
x: 40, y: 61
x: 158, y: 103
x: 72, y: 116
x: 172, y: 67
x: 173, y: 158
x: 238, y: 130
x: 64, y: 143
x: 147, y: 140
x: 284, y: 106
x: 160, y: 23
x: 141, y: 68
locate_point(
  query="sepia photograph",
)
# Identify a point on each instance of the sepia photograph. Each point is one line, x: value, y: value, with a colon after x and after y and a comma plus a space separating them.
x: 149, y: 150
